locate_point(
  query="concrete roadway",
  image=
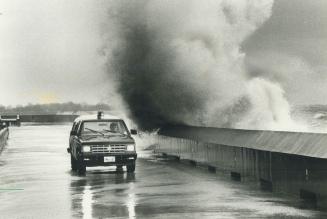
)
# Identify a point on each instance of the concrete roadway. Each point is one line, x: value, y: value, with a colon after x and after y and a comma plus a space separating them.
x: 36, y: 182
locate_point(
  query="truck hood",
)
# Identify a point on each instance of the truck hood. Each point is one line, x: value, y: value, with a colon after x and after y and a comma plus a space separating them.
x: 107, y: 139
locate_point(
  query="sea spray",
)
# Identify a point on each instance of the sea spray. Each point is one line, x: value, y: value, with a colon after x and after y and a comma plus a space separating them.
x: 180, y: 62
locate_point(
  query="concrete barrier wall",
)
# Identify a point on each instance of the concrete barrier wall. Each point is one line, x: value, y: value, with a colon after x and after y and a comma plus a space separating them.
x: 300, y: 175
x: 48, y: 118
x: 16, y: 121
x: 4, y: 133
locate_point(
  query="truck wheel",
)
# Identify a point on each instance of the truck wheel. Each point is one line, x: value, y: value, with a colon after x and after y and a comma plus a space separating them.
x: 81, y: 167
x: 119, y: 168
x: 73, y: 163
x: 131, y: 168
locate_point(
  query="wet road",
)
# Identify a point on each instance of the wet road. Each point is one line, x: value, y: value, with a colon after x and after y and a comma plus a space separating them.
x: 36, y: 182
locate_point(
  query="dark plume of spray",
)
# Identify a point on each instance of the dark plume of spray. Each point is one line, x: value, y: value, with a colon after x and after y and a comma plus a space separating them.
x: 179, y: 62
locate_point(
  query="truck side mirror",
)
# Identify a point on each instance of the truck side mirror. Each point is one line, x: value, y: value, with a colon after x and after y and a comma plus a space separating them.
x: 133, y: 132
x: 73, y: 133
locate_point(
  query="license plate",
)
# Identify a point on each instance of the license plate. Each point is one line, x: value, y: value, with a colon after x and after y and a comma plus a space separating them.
x: 109, y: 159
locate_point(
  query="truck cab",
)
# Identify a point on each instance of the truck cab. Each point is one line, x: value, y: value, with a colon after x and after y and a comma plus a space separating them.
x: 101, y: 140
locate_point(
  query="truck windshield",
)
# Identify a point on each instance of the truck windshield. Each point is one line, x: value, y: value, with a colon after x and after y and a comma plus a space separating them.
x: 103, y: 128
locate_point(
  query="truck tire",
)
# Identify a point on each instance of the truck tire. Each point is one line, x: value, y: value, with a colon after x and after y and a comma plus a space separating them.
x: 73, y: 163
x: 81, y: 167
x: 119, y: 168
x: 131, y: 168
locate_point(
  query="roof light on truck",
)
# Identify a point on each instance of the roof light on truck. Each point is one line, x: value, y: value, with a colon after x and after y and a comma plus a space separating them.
x: 100, y: 113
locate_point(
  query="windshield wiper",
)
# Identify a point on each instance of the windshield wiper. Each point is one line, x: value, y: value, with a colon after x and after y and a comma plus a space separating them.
x: 89, y: 138
x: 123, y: 134
x: 95, y: 131
x: 107, y: 130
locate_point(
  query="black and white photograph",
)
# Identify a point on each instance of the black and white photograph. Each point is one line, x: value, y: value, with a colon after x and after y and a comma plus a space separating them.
x: 164, y: 109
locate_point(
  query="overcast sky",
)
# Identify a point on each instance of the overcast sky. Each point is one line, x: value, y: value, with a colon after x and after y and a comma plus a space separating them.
x: 49, y: 50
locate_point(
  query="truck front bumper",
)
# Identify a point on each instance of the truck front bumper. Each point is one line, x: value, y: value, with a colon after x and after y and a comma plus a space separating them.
x: 108, y: 159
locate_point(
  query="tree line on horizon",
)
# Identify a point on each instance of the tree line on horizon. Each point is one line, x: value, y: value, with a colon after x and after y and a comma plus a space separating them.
x: 53, y: 108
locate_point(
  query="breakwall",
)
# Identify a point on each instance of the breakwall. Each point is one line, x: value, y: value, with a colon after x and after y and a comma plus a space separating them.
x: 48, y: 118
x: 287, y: 162
x: 4, y: 133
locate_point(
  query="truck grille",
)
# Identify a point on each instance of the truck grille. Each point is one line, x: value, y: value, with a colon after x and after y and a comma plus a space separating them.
x: 100, y: 149
x: 116, y: 148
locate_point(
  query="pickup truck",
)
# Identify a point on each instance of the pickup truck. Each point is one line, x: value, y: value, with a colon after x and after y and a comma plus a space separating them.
x: 101, y: 140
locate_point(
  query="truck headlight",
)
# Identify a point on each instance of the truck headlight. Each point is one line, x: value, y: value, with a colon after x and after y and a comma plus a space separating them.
x: 86, y: 148
x: 130, y: 147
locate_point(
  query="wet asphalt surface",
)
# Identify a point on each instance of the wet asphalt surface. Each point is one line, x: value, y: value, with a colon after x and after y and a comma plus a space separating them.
x: 36, y: 182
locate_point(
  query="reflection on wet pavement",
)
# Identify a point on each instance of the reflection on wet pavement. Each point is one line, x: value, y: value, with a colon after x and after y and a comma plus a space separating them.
x: 90, y: 194
x: 36, y: 164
